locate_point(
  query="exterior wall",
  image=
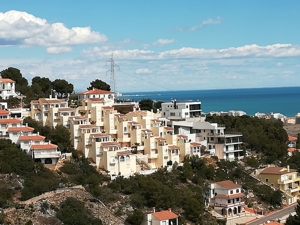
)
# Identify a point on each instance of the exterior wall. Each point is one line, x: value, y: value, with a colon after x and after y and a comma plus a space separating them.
x: 7, y: 89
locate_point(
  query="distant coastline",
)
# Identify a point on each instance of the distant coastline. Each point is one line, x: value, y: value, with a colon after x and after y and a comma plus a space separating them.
x: 284, y: 100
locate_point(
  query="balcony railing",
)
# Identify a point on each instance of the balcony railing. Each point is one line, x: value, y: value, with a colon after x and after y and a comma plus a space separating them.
x: 41, y: 155
x: 230, y: 204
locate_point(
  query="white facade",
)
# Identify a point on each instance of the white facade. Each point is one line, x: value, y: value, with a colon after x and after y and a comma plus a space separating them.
x: 7, y: 88
x: 180, y: 110
x: 226, y: 197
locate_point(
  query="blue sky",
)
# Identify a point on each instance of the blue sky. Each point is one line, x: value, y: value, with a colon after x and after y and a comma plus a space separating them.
x: 158, y: 45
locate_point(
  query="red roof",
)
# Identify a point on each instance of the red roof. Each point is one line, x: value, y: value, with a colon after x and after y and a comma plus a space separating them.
x: 228, y: 184
x: 43, y: 146
x: 164, y: 215
x: 4, y: 112
x: 291, y: 138
x: 32, y: 138
x: 94, y: 92
x: 11, y: 120
x: 6, y: 80
x: 230, y: 196
x: 14, y: 129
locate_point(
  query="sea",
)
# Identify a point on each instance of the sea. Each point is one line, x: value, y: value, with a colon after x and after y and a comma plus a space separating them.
x: 284, y: 100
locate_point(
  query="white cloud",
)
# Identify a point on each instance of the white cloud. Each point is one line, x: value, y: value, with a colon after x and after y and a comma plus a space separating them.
x: 279, y: 64
x: 162, y: 42
x: 206, y: 22
x: 275, y: 50
x: 24, y: 29
x: 57, y: 50
x: 142, y: 71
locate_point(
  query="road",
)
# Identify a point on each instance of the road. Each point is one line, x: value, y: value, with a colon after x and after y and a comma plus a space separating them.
x: 274, y: 215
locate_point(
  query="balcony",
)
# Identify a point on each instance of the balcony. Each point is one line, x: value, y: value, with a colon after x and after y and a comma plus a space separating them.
x: 242, y: 203
x: 42, y: 155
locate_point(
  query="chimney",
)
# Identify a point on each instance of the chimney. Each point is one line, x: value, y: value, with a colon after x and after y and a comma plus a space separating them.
x: 169, y: 209
x: 26, y: 124
x: 153, y: 209
x: 288, y: 168
x: 49, y: 142
x: 38, y: 133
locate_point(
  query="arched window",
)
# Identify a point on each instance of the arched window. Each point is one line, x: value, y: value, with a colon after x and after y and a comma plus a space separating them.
x: 122, y: 159
x: 127, y: 158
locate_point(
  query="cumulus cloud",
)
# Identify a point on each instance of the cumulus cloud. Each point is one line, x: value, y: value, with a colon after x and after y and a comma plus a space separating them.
x: 162, y: 42
x: 204, y: 23
x: 24, y: 29
x: 142, y: 71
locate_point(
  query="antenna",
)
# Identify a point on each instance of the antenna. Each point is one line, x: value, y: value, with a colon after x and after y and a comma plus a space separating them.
x: 112, y: 74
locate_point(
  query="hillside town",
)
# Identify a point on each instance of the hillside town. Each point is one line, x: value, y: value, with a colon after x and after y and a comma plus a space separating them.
x: 141, y: 142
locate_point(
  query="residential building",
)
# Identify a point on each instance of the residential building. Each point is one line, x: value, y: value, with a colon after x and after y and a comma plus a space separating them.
x: 107, y: 96
x: 7, y: 88
x: 180, y: 110
x: 224, y: 145
x: 285, y: 179
x: 45, y: 153
x: 226, y: 197
x: 166, y: 217
x: 50, y: 111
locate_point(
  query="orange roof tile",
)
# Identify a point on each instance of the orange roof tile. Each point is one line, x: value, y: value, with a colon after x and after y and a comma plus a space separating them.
x: 291, y: 149
x: 276, y: 170
x: 6, y: 80
x: 95, y: 91
x: 32, y: 138
x: 173, y: 147
x: 124, y: 153
x: 87, y: 126
x: 194, y: 144
x: 96, y: 99
x: 291, y: 138
x: 182, y: 136
x: 4, y: 112
x: 14, y: 129
x: 147, y: 131
x: 228, y: 184
x: 160, y: 139
x: 66, y: 109
x: 164, y: 215
x: 169, y: 128
x: 43, y: 146
x: 11, y: 120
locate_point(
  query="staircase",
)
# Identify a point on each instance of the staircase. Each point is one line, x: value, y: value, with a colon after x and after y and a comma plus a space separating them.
x: 143, y: 164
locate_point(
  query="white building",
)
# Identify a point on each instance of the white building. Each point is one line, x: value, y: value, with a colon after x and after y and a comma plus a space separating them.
x: 226, y: 197
x: 180, y: 110
x: 222, y: 144
x: 7, y: 88
x: 107, y: 96
x: 166, y: 217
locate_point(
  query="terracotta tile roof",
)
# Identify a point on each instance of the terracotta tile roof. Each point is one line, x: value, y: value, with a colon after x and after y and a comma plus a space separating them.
x: 230, y: 196
x: 194, y: 144
x: 173, y: 147
x: 66, y: 109
x: 4, y: 112
x: 43, y: 146
x: 108, y: 107
x: 169, y: 128
x: 110, y: 144
x: 291, y: 138
x: 249, y: 210
x: 133, y: 123
x: 160, y: 139
x: 32, y: 138
x: 276, y: 170
x: 50, y: 101
x: 156, y: 121
x: 87, y: 126
x: 228, y: 184
x: 182, y: 136
x: 291, y: 149
x: 11, y: 120
x: 124, y: 153
x: 14, y: 129
x: 95, y: 91
x: 34, y: 101
x: 164, y: 215
x: 274, y: 223
x: 6, y: 80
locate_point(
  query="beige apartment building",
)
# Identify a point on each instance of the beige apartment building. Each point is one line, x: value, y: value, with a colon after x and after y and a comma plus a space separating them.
x: 114, y: 141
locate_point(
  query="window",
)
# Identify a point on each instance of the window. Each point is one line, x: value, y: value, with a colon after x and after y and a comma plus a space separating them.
x: 122, y: 159
x: 231, y: 192
x: 45, y: 114
x: 172, y: 114
x: 229, y: 201
x: 237, y: 190
x: 267, y: 180
x: 186, y: 113
x: 55, y: 114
